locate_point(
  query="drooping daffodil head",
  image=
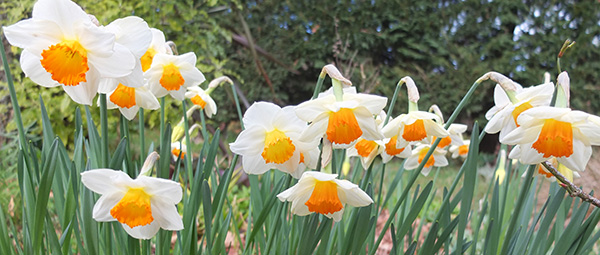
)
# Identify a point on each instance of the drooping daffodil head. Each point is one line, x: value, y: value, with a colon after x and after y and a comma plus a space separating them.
x: 202, y: 99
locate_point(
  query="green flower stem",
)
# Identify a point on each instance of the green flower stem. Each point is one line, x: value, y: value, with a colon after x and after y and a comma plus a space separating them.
x: 319, y: 85
x: 380, y: 187
x: 394, y: 97
x: 412, y: 106
x: 141, y: 131
x: 188, y: 156
x: 202, y: 123
x: 338, y: 90
x: 162, y: 118
x: 417, y: 171
x: 104, y: 127
x: 237, y: 105
x: 13, y: 99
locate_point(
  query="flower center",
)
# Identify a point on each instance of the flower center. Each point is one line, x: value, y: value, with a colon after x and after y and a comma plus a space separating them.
x: 519, y: 109
x: 176, y: 152
x: 365, y: 147
x: 463, y: 149
x: 66, y: 62
x: 301, y: 158
x: 171, y: 78
x: 443, y: 143
x: 555, y: 139
x: 146, y: 59
x: 343, y: 127
x: 278, y: 147
x: 422, y: 154
x: 324, y: 198
x: 390, y: 147
x: 197, y: 100
x: 414, y: 132
x: 123, y: 96
x: 134, y: 208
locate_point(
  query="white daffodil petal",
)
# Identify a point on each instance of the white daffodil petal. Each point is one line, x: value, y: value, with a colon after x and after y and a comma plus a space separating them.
x: 250, y: 141
x: 132, y: 32
x: 165, y: 189
x: 165, y: 213
x: 259, y: 113
x: 83, y: 93
x: 102, y: 181
x: 33, y: 69
x: 63, y: 12
x: 254, y: 165
x: 146, y: 99
x: 119, y: 64
x: 367, y: 124
x: 142, y: 232
x: 33, y: 35
x: 101, y: 211
x: 130, y: 113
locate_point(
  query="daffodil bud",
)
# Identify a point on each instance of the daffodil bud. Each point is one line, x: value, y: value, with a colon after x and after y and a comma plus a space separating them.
x: 562, y: 93
x: 149, y: 163
x: 335, y: 74
x: 178, y: 132
x: 509, y: 86
x: 216, y: 82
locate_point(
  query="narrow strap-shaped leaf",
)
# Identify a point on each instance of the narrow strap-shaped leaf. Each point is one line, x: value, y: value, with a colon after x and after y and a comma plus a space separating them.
x: 206, y: 205
x: 116, y: 161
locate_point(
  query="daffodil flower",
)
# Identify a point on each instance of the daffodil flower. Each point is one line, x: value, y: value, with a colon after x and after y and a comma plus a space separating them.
x: 437, y: 159
x: 460, y: 150
x: 343, y: 121
x: 367, y: 150
x: 503, y: 116
x: 455, y: 130
x: 546, y: 132
x: 157, y: 45
x: 129, y: 100
x: 200, y: 98
x: 318, y: 192
x: 63, y: 47
x: 414, y: 126
x: 171, y: 75
x: 133, y: 33
x: 271, y: 140
x: 142, y: 205
x: 178, y: 150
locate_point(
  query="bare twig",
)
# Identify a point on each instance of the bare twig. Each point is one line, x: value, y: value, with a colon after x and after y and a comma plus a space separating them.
x: 573, y: 190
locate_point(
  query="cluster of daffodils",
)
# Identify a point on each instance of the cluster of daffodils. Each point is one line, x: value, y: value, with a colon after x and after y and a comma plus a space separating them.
x: 126, y: 60
x: 288, y: 139
x: 539, y: 130
x: 130, y: 65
